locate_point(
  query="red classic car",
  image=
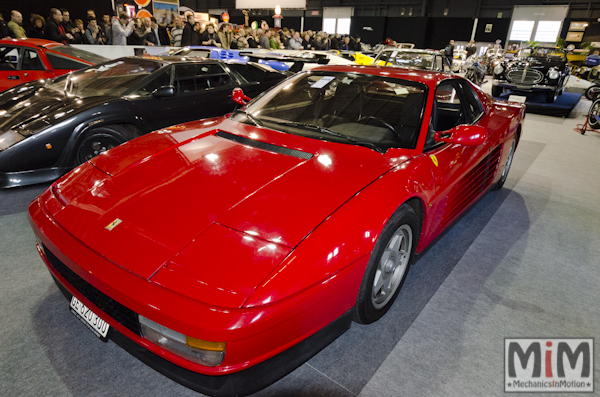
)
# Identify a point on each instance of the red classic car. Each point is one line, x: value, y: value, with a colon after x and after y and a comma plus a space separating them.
x: 24, y: 60
x: 225, y: 252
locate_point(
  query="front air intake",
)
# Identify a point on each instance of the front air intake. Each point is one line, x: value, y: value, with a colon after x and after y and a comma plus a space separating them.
x: 264, y: 146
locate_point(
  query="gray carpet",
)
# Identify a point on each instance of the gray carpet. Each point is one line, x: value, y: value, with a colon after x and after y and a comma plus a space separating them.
x: 522, y: 262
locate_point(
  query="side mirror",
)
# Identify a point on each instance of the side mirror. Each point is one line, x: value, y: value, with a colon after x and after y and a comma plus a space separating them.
x: 470, y: 135
x: 238, y: 96
x: 164, y: 92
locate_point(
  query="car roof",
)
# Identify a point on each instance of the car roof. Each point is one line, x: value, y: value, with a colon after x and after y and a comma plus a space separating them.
x: 411, y: 50
x: 178, y: 59
x: 31, y: 42
x: 423, y: 76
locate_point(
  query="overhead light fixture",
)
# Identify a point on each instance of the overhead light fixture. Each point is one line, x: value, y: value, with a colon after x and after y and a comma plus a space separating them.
x: 446, y: 11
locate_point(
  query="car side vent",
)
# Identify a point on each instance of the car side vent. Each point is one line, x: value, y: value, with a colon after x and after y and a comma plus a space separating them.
x: 264, y: 146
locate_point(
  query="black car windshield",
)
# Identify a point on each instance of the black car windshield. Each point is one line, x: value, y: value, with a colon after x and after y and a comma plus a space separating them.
x: 403, y: 59
x: 81, y: 54
x: 546, y: 53
x: 373, y: 111
x: 109, y: 79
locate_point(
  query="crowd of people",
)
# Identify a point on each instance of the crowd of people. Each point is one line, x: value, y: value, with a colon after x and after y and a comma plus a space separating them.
x: 184, y: 31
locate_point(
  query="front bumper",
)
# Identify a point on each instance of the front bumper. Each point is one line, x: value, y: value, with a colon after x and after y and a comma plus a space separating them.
x: 524, y: 88
x: 25, y: 178
x: 274, y: 339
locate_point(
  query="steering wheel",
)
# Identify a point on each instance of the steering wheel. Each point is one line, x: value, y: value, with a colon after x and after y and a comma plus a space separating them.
x: 366, y: 120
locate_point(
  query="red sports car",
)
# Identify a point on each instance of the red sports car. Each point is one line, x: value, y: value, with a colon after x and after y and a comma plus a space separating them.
x: 24, y: 60
x: 225, y: 252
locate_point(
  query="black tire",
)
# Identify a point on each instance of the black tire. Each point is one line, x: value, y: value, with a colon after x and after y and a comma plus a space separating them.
x: 593, y: 113
x: 371, y: 306
x: 101, y: 139
x: 592, y: 91
x: 496, y: 91
x: 507, y: 165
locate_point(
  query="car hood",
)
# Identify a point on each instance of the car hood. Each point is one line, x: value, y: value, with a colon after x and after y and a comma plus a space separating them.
x: 172, y: 191
x: 30, y: 108
x: 536, y: 63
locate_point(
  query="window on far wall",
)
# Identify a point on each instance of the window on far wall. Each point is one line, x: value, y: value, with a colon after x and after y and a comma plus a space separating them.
x: 521, y: 30
x: 547, y: 31
x: 336, y: 25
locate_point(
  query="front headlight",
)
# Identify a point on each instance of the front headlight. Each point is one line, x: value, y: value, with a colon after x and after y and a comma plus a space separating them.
x: 498, y: 69
x: 553, y: 74
x: 199, y: 351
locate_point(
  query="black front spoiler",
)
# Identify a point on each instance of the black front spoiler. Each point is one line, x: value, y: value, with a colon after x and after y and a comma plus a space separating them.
x: 240, y: 383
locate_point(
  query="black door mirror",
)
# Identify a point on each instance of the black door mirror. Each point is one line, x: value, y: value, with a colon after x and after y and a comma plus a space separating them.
x: 164, y: 92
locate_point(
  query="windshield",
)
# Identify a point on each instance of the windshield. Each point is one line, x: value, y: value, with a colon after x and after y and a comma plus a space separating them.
x: 109, y: 79
x: 352, y: 108
x: 81, y: 54
x: 546, y: 53
x: 417, y: 60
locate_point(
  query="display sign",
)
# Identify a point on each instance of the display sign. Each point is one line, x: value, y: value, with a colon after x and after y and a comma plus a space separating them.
x: 284, y: 4
x: 578, y: 26
x: 165, y: 12
x: 574, y: 36
x: 488, y: 27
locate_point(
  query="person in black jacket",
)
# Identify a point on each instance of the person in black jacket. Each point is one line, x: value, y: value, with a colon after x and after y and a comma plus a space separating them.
x: 162, y: 36
x: 5, y: 32
x: 54, y: 30
x: 335, y: 42
x: 187, y: 39
x: 36, y: 30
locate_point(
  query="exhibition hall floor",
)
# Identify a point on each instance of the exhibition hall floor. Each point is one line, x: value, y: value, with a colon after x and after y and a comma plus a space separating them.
x: 523, y: 262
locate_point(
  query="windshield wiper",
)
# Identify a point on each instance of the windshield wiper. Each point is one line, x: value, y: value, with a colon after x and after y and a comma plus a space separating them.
x: 327, y: 131
x: 250, y: 117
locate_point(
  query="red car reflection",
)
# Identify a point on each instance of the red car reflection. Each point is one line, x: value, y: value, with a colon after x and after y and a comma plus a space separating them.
x: 225, y: 252
x: 24, y: 60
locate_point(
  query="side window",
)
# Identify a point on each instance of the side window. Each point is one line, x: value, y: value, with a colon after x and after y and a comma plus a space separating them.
x: 447, y: 111
x: 474, y: 107
x: 31, y: 61
x: 9, y: 58
x: 163, y: 79
x: 196, y: 77
x: 60, y: 62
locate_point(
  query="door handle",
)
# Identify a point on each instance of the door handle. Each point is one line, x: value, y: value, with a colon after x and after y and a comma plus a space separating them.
x: 13, y: 77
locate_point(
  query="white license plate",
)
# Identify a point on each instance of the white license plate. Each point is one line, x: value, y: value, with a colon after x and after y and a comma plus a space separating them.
x: 89, y: 318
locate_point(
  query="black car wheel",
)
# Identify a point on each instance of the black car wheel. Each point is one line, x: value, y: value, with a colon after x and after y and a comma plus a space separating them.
x: 594, y: 115
x: 388, y: 266
x: 496, y: 91
x: 592, y: 91
x: 101, y: 139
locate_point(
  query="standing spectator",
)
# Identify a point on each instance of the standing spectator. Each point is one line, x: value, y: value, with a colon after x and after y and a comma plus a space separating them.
x: 252, y: 39
x: 274, y: 40
x: 67, y: 24
x: 471, y: 49
x: 355, y: 43
x: 240, y: 41
x: 177, y: 32
x: 16, y: 24
x: 93, y: 33
x: 79, y: 32
x: 54, y: 30
x: 286, y: 36
x: 225, y: 36
x: 210, y: 38
x: 5, y: 32
x: 345, y: 46
x: 36, y: 30
x: 106, y: 28
x: 265, y: 40
x: 160, y: 33
x: 198, y: 32
x: 148, y: 34
x: 335, y: 42
x: 296, y: 42
x: 187, y: 37
x: 449, y: 50
x: 90, y: 14
x: 306, y: 42
x: 122, y: 28
x: 321, y: 42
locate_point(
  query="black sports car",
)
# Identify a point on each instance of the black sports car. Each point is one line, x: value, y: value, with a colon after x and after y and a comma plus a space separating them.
x: 539, y: 70
x: 49, y: 127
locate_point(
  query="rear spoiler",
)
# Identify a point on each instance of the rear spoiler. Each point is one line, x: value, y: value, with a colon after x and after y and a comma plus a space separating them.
x: 298, y: 63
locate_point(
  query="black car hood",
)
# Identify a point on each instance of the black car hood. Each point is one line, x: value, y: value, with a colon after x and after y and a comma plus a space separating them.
x: 30, y: 108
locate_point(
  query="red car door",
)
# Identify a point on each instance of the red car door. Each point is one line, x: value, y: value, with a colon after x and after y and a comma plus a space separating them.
x: 460, y: 172
x: 9, y: 67
x: 32, y: 66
